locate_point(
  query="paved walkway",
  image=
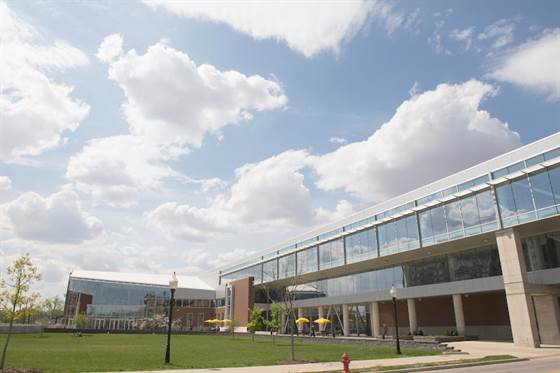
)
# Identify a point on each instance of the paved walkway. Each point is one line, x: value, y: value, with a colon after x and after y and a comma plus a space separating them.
x: 475, y: 349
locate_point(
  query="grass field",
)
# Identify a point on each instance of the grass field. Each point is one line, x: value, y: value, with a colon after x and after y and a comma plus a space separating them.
x: 53, y: 352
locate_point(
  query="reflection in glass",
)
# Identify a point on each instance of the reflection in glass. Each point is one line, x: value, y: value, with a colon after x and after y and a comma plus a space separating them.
x: 331, y: 254
x: 361, y: 246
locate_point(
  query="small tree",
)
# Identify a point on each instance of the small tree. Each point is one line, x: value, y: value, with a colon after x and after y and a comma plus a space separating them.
x: 81, y: 321
x: 14, y: 293
x: 273, y: 324
x: 256, y: 321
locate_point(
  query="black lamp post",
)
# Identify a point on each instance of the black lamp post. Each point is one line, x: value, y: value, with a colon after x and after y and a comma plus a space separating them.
x: 393, y: 292
x: 172, y: 286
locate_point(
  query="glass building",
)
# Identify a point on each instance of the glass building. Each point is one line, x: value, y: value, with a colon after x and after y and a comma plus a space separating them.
x: 114, y: 300
x: 486, y: 238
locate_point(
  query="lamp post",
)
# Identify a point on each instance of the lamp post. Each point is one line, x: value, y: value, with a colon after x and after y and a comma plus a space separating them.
x: 393, y: 292
x: 172, y: 286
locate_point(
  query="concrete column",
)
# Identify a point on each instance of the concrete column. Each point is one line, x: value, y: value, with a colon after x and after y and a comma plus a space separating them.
x: 374, y: 319
x: 520, y: 304
x: 548, y: 316
x: 459, y: 314
x: 412, y: 315
x: 346, y: 320
x: 321, y: 313
x: 300, y: 325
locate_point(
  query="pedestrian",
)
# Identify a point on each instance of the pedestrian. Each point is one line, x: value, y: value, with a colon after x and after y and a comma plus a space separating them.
x: 385, y: 330
x: 312, y: 330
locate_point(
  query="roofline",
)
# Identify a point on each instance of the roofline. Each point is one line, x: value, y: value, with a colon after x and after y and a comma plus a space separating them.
x: 135, y: 283
x: 486, y: 167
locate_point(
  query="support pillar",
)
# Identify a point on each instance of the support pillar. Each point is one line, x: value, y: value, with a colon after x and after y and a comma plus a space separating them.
x: 459, y: 314
x: 548, y: 317
x: 411, y: 305
x: 321, y: 312
x: 300, y: 325
x: 374, y: 319
x: 345, y: 320
x: 520, y: 303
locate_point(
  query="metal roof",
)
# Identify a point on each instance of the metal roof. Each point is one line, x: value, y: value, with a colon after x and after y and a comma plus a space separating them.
x: 185, y: 282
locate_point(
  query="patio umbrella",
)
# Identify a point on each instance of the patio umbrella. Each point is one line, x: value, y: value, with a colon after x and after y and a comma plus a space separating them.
x: 302, y: 320
x: 209, y: 321
x: 322, y: 320
x: 226, y: 321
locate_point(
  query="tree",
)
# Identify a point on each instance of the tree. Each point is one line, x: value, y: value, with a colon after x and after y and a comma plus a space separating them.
x: 53, y: 308
x: 29, y: 310
x: 14, y: 293
x: 81, y: 321
x: 273, y: 324
x: 256, y: 321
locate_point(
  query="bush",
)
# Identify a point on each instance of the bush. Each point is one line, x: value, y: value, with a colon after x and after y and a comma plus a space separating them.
x: 81, y: 321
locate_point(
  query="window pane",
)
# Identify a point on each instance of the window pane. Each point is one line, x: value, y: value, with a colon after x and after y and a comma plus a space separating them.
x: 554, y: 174
x: 470, y: 212
x: 506, y: 202
x: 542, y: 191
x: 361, y: 246
x: 307, y: 260
x: 486, y: 210
x: 331, y: 254
x: 438, y: 221
x: 454, y: 219
x: 522, y: 196
x: 426, y: 225
x: 287, y: 266
x: 270, y: 271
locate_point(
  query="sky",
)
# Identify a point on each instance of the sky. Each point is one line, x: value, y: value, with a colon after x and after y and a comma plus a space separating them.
x: 160, y: 136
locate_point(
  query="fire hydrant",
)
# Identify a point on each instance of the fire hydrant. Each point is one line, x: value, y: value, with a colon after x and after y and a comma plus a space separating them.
x: 345, y: 360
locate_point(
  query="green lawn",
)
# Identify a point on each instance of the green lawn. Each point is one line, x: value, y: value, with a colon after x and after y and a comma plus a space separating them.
x: 114, y: 352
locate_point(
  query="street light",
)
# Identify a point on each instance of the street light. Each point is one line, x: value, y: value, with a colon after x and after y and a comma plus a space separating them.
x: 172, y: 286
x: 393, y: 293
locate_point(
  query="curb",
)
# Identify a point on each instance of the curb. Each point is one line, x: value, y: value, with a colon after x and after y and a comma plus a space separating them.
x: 453, y: 366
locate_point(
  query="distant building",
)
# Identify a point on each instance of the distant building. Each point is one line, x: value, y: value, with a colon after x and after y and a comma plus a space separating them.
x: 475, y: 253
x: 115, y: 300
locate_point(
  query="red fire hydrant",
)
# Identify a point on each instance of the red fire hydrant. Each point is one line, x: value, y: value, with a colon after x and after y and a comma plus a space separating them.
x: 345, y: 360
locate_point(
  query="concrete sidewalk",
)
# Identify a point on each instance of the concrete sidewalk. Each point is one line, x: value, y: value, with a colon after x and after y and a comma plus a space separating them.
x: 474, y: 350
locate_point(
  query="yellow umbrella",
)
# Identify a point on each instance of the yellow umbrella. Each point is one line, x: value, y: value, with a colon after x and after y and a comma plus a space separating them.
x: 322, y: 320
x: 302, y: 320
x: 209, y: 321
x: 226, y: 320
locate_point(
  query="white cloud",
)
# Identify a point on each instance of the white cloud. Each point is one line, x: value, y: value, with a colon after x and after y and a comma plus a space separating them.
x: 266, y: 194
x: 110, y: 48
x: 35, y: 112
x: 5, y: 183
x: 191, y: 100
x: 114, y: 170
x: 338, y: 140
x: 465, y: 35
x: 534, y: 65
x: 414, y: 89
x: 171, y: 104
x: 57, y: 218
x: 500, y: 32
x: 308, y: 27
x: 431, y: 135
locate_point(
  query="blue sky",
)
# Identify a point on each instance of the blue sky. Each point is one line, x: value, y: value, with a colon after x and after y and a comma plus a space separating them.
x: 234, y: 127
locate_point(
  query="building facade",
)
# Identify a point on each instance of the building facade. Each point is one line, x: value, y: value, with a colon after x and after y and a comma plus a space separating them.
x: 116, y: 301
x: 475, y: 253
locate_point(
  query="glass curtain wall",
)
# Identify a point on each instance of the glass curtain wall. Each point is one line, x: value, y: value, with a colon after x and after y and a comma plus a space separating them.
x: 307, y: 261
x: 529, y: 197
x: 361, y: 246
x: 331, y: 254
x: 463, y: 217
x: 398, y: 235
